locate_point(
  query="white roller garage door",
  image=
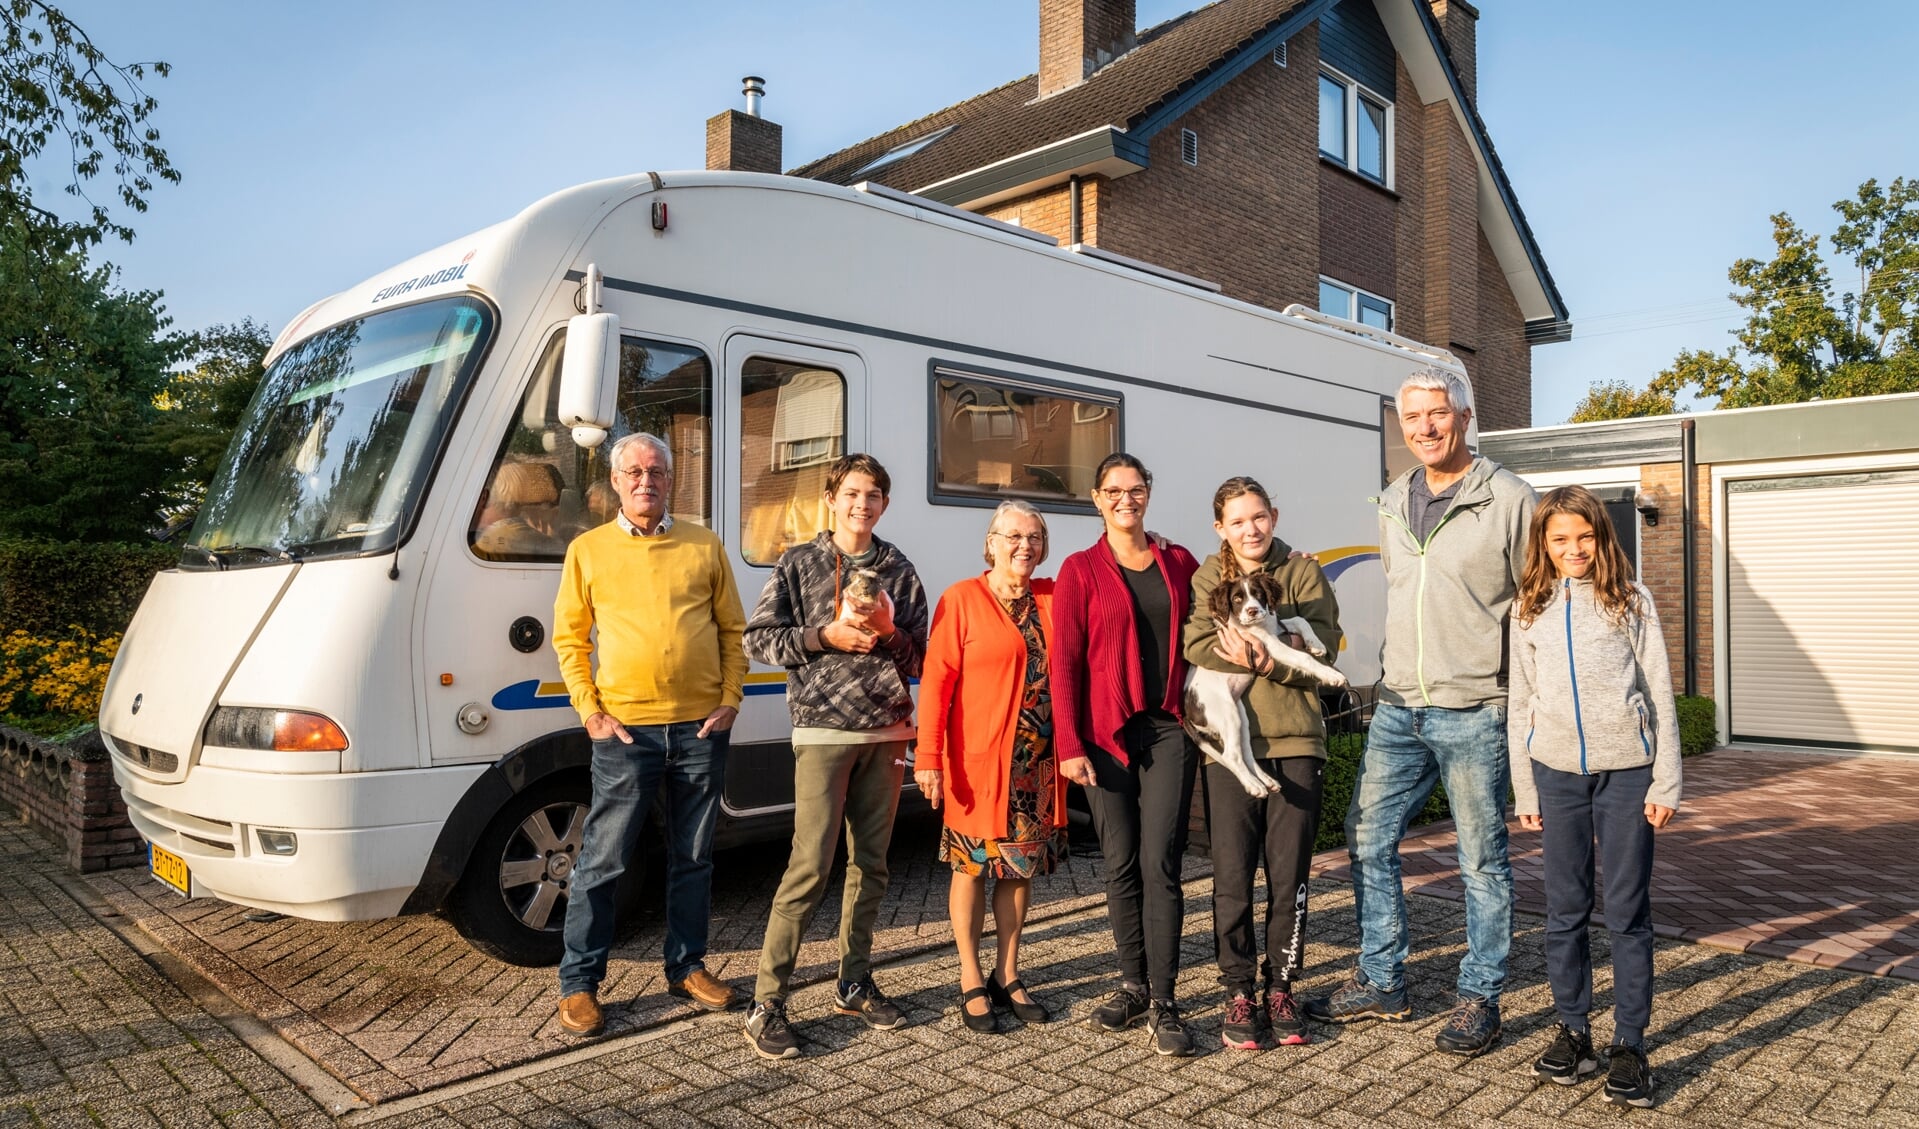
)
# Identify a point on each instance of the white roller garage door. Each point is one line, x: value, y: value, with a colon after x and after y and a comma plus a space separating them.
x: 1822, y: 610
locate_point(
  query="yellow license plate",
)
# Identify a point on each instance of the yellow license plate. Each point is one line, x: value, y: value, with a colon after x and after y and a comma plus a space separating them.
x: 169, y: 867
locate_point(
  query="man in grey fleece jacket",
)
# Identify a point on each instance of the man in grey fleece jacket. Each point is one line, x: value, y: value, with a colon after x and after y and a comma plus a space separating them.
x: 1452, y: 541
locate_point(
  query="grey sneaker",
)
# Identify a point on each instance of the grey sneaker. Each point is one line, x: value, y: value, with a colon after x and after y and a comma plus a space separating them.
x: 1569, y: 1059
x: 1120, y: 1010
x: 1472, y: 1027
x: 768, y: 1031
x: 862, y: 998
x: 1357, y: 999
x: 1628, y: 1077
x: 1170, y: 1036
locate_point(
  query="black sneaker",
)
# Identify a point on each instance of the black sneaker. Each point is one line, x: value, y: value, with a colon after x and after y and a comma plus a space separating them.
x: 1170, y: 1036
x: 860, y: 997
x: 1241, y: 1029
x: 768, y: 1031
x: 1283, y: 1018
x: 1628, y: 1077
x: 1472, y: 1027
x: 1120, y: 1010
x: 1357, y: 999
x: 1569, y: 1059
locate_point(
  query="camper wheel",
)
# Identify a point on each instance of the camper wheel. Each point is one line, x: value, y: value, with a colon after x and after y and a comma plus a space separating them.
x: 511, y: 900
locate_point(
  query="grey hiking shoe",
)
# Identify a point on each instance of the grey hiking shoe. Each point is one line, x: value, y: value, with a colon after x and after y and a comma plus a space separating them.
x: 768, y: 1031
x: 1357, y: 999
x: 863, y: 998
x: 1472, y: 1027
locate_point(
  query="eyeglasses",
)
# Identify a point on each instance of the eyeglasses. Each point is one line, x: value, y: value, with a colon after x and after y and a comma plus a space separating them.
x: 1033, y: 539
x: 641, y: 474
x: 1114, y: 493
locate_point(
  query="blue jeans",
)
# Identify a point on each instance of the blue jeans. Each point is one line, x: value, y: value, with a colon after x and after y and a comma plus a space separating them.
x: 1408, y: 750
x: 625, y: 777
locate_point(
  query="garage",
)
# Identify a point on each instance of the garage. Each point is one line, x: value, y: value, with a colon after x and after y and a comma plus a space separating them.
x: 1822, y: 610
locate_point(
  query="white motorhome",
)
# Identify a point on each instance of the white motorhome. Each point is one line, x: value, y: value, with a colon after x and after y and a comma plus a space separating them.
x: 343, y: 703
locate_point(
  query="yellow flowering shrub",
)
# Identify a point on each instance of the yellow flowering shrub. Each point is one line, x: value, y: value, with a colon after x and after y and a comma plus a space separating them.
x: 54, y: 674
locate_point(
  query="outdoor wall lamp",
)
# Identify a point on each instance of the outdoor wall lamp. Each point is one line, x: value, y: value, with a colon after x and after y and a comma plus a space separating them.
x: 1648, y: 509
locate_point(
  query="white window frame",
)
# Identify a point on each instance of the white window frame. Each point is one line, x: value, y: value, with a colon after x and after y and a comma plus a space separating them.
x: 1355, y: 90
x: 1353, y: 294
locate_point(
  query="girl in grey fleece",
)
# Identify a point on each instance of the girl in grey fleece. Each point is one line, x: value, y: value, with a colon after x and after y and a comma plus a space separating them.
x: 1592, y: 711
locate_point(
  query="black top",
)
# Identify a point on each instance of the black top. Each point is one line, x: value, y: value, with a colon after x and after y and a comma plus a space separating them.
x: 1425, y: 508
x: 1153, y: 619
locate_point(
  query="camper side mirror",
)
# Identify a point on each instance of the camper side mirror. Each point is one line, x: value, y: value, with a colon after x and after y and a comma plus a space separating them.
x: 590, y: 376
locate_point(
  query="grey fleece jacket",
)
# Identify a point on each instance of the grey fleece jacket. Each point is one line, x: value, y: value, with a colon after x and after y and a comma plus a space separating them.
x: 1589, y: 695
x: 1446, y: 599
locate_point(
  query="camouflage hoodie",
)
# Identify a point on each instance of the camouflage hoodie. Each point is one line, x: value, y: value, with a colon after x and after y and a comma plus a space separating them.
x: 827, y: 689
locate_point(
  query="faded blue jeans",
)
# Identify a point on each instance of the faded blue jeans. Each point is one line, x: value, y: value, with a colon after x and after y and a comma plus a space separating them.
x: 692, y: 769
x: 1408, y: 750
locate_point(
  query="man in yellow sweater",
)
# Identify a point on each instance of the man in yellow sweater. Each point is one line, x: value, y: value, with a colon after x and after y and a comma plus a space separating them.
x: 658, y: 707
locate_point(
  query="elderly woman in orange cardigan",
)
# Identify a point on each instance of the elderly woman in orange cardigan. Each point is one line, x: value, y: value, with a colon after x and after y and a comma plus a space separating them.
x: 985, y: 755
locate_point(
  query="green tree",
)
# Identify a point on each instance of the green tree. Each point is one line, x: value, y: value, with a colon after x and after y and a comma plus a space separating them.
x: 1616, y: 399
x: 59, y: 91
x: 204, y: 402
x: 1803, y: 340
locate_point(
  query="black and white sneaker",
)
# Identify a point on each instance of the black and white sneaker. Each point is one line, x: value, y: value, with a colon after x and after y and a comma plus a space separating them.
x: 1170, y: 1036
x: 863, y: 998
x: 1125, y: 1007
x: 768, y: 1031
x: 1628, y: 1077
x: 1569, y: 1059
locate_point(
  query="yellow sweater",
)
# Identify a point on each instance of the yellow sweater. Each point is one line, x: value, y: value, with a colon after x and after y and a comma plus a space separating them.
x: 669, y: 622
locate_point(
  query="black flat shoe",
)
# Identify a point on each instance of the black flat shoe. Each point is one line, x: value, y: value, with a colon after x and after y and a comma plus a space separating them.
x: 987, y: 1024
x: 1034, y: 1012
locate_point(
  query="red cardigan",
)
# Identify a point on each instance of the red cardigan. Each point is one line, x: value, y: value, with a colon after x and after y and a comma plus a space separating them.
x: 970, y: 690
x: 1094, y: 658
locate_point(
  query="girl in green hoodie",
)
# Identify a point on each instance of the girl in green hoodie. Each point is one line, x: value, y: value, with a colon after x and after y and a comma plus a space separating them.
x: 1289, y: 738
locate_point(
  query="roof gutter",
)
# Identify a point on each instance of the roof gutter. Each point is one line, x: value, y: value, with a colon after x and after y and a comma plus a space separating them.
x: 1106, y: 151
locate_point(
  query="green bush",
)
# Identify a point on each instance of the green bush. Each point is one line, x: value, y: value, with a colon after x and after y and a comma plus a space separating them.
x: 1698, y: 726
x: 1342, y: 770
x: 52, y: 586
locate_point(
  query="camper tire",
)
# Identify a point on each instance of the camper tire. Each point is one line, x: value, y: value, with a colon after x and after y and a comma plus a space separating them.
x: 511, y: 899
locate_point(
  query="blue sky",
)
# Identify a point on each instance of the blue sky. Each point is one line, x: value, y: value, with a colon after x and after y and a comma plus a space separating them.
x: 1648, y: 141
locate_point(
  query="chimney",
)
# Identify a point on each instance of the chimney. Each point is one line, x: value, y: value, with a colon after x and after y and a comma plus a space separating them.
x: 744, y: 142
x: 1458, y: 27
x: 1078, y: 37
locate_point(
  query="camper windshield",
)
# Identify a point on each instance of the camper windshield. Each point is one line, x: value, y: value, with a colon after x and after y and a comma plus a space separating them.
x: 340, y: 438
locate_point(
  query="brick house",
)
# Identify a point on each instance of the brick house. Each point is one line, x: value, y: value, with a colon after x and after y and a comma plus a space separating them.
x: 1322, y: 152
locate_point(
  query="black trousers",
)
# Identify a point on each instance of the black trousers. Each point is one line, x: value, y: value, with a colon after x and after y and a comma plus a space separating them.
x: 1275, y: 831
x: 1140, y: 812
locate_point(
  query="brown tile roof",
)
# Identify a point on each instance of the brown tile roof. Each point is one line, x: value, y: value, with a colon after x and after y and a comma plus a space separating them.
x: 1007, y: 120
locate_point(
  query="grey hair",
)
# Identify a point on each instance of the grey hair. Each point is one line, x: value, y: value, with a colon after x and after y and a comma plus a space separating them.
x: 1008, y: 508
x: 1436, y: 380
x: 625, y: 441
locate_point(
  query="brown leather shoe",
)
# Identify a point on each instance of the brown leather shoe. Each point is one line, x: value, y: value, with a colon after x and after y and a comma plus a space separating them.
x: 705, y: 990
x: 580, y: 1014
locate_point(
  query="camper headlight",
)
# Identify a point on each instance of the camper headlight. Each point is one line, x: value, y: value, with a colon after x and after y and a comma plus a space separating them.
x: 286, y: 731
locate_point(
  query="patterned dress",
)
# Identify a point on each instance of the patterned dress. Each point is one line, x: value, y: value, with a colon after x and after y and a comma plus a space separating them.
x: 1033, y: 846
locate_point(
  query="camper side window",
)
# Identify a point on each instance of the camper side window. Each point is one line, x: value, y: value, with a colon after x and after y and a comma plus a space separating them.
x: 544, y: 489
x: 1001, y: 438
x: 1395, y: 459
x: 792, y: 427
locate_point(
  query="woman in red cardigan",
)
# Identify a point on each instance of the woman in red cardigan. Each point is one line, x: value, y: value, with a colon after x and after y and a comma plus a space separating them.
x: 985, y: 755
x: 1118, y: 673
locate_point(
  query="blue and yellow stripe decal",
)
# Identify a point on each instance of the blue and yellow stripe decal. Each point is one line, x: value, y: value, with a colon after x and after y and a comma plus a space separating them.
x: 534, y: 694
x: 1337, y: 561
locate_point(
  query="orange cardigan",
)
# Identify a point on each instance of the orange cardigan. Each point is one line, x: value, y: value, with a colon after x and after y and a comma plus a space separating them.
x: 969, y: 705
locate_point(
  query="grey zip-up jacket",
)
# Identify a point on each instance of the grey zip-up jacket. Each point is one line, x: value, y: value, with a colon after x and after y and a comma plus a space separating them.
x: 828, y: 689
x: 1446, y: 600
x: 1590, y: 695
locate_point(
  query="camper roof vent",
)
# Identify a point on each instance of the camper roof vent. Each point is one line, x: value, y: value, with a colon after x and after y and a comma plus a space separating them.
x: 898, y: 197
x: 1143, y: 267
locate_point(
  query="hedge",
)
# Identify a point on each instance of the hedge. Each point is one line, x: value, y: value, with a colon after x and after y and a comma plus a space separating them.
x: 1342, y: 769
x: 51, y: 587
x: 1698, y: 725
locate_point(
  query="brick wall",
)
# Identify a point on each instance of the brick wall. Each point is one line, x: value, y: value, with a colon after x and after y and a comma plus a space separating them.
x: 1502, y: 367
x: 69, y: 794
x: 1661, y: 560
x: 1077, y: 37
x: 742, y: 143
x: 1051, y: 210
x: 1357, y: 232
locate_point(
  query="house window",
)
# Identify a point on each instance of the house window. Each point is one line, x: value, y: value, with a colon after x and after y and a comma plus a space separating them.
x: 1353, y: 304
x: 995, y: 439
x: 1355, y: 127
x: 901, y: 152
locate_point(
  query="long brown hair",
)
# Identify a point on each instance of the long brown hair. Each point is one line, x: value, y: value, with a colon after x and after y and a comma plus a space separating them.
x: 1237, y: 486
x: 1611, y: 575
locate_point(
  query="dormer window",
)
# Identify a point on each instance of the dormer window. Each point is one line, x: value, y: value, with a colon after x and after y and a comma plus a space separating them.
x: 1355, y: 127
x: 900, y: 152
